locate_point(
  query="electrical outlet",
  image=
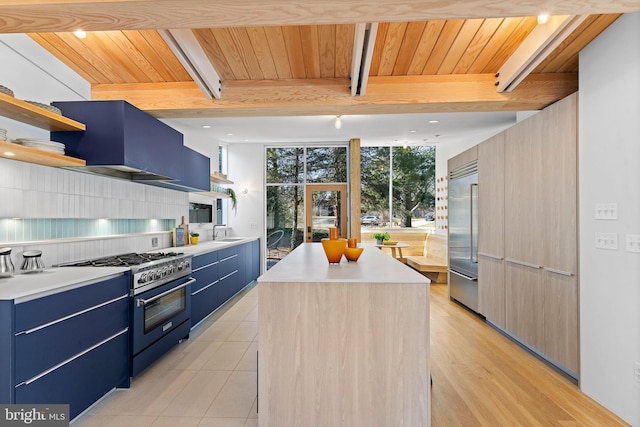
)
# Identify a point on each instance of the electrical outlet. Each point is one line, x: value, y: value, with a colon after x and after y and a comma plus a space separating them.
x: 607, y: 241
x: 636, y: 371
x: 154, y: 242
x: 607, y: 211
x: 633, y: 243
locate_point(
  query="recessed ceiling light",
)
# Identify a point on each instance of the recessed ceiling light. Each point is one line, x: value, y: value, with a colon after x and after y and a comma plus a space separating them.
x: 543, y: 18
x: 413, y: 131
x: 8, y: 153
x: 229, y: 134
x: 80, y: 34
x: 434, y: 121
x: 206, y: 126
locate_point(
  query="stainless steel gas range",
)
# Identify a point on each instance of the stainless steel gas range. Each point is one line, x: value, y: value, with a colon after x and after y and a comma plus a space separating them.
x: 160, y: 306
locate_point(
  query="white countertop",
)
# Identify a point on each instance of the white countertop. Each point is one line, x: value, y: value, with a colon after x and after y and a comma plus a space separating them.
x: 25, y: 287
x: 209, y: 245
x: 308, y: 264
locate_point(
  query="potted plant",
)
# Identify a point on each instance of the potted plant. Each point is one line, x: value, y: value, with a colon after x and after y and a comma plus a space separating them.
x: 381, y: 237
x: 194, y: 238
x: 234, y: 199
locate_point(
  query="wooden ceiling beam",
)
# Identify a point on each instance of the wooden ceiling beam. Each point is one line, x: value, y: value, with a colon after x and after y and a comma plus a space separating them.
x: 385, y: 95
x: 19, y: 16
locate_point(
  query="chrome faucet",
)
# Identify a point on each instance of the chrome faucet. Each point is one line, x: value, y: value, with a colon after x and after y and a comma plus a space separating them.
x: 213, y: 236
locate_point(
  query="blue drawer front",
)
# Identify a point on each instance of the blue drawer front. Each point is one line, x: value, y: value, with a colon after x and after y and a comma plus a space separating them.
x: 228, y: 287
x: 53, y: 344
x: 203, y: 303
x: 204, y: 277
x: 44, y: 310
x: 228, y: 261
x: 82, y: 381
x: 204, y: 259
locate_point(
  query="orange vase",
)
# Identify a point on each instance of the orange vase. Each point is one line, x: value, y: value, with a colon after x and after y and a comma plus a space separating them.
x: 334, y: 233
x: 333, y: 249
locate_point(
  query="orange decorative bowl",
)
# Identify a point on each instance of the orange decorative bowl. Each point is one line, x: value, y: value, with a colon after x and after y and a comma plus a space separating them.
x: 333, y: 249
x: 352, y: 254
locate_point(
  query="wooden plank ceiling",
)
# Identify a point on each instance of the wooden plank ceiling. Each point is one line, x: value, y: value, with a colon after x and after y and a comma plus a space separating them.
x: 416, y: 66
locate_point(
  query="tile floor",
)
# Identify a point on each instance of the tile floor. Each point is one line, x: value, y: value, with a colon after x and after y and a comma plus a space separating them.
x: 206, y: 381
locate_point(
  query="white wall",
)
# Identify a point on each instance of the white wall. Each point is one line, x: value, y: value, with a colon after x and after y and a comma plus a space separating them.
x: 610, y: 173
x: 246, y: 170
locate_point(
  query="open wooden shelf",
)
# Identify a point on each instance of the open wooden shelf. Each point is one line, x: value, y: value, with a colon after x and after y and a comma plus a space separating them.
x: 220, y: 180
x: 25, y: 112
x: 35, y: 155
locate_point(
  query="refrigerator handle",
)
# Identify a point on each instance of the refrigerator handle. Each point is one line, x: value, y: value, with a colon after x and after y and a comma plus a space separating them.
x: 473, y: 200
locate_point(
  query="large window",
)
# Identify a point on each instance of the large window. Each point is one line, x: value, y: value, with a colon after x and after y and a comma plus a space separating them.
x: 288, y: 170
x: 397, y: 186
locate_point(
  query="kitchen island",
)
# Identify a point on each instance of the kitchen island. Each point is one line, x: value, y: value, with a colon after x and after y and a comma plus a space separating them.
x: 343, y: 344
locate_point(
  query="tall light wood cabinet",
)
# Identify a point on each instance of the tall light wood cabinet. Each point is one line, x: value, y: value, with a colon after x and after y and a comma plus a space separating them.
x: 560, y: 261
x: 540, y: 266
x: 491, y: 292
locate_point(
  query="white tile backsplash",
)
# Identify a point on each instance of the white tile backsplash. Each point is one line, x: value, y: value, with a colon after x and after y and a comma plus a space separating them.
x: 41, y: 192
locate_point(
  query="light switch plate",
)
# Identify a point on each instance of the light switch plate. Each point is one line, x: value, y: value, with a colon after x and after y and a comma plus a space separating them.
x: 633, y: 243
x: 607, y: 241
x: 607, y: 211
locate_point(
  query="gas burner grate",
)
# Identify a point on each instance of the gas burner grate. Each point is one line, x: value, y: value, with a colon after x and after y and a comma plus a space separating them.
x: 125, y: 260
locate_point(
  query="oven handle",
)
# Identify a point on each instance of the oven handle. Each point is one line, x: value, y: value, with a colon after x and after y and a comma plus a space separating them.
x: 142, y: 302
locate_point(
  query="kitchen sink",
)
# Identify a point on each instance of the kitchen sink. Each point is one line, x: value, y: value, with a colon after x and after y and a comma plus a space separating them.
x: 230, y: 239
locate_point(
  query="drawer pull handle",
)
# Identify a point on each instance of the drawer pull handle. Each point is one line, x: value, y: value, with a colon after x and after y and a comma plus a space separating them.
x: 206, y: 287
x: 525, y: 264
x: 553, y: 270
x: 499, y: 258
x: 62, y: 319
x: 228, y: 275
x: 71, y: 359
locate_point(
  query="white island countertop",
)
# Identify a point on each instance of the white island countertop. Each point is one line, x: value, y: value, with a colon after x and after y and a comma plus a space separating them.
x: 24, y: 287
x: 308, y: 264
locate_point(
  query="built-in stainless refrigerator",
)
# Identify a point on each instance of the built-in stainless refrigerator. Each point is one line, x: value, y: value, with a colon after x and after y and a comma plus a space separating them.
x: 463, y: 235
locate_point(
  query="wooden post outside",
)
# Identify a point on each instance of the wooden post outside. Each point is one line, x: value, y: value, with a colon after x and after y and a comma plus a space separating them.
x: 354, y: 189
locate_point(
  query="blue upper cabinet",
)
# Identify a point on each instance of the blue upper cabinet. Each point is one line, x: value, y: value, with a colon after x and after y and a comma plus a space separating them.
x: 197, y: 173
x: 123, y: 141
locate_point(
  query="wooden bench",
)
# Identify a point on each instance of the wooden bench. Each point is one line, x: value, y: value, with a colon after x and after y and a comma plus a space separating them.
x: 433, y: 262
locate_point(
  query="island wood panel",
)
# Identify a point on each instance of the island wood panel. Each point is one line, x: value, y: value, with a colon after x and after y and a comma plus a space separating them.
x: 343, y: 354
x: 561, y: 339
x: 344, y: 344
x: 524, y: 297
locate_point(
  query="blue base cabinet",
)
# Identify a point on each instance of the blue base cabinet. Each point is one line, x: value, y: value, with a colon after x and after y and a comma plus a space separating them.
x: 220, y: 275
x: 204, y: 292
x: 68, y: 348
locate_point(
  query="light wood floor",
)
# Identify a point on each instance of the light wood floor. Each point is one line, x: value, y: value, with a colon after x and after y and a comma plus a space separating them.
x: 481, y: 378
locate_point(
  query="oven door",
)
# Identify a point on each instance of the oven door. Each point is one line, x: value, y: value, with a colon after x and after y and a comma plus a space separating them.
x: 158, y: 311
